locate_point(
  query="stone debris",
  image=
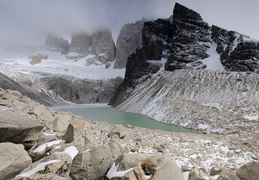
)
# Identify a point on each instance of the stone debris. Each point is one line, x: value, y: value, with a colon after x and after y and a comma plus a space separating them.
x: 90, y: 148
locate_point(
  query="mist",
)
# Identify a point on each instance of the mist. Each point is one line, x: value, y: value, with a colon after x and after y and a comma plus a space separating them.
x: 29, y: 21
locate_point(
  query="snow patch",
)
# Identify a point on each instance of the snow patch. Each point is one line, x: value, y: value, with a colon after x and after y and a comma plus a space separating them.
x: 203, y: 126
x: 45, y: 145
x: 114, y: 173
x: 71, y: 151
x: 39, y: 167
x: 251, y: 117
x: 213, y: 61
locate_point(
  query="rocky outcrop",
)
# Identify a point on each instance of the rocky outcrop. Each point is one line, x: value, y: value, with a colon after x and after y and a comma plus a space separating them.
x: 56, y: 43
x: 13, y: 160
x: 237, y: 51
x: 185, y: 41
x: 99, y: 44
x: 129, y: 39
x: 189, y: 37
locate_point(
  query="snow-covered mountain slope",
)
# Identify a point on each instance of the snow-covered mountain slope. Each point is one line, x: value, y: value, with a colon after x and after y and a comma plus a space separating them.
x: 87, y: 77
x: 200, y: 99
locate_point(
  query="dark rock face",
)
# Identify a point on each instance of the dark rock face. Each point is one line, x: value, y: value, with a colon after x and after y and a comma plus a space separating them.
x: 129, y: 39
x: 139, y: 64
x: 80, y: 90
x: 237, y: 51
x: 99, y: 43
x: 57, y: 43
x: 190, y: 35
x: 182, y: 42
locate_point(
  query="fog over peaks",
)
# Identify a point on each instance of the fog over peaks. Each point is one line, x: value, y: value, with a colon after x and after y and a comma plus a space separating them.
x: 29, y: 21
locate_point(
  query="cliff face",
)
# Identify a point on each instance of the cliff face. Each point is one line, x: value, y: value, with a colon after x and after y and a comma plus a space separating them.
x: 185, y: 41
x: 129, y: 39
x: 99, y: 44
x: 56, y: 43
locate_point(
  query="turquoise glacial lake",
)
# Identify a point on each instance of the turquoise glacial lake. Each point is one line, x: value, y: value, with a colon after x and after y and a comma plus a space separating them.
x: 103, y: 112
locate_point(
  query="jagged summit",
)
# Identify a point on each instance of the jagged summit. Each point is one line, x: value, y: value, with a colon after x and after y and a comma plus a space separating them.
x: 183, y: 13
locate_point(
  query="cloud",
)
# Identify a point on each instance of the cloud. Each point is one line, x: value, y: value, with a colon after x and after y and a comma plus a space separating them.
x: 28, y: 21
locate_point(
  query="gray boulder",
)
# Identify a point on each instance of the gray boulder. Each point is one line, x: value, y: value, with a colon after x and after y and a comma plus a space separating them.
x: 13, y: 160
x: 60, y: 123
x: 75, y: 133
x: 249, y: 171
x: 18, y: 128
x: 92, y: 164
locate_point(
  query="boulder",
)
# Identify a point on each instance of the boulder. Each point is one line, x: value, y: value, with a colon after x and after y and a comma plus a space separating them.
x: 60, y: 123
x: 75, y: 133
x: 13, y: 159
x: 18, y: 128
x: 43, y: 113
x: 145, y: 167
x: 249, y: 171
x: 118, y: 130
x: 92, y: 164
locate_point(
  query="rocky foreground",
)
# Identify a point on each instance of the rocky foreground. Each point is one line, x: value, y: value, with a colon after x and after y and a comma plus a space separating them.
x: 42, y: 143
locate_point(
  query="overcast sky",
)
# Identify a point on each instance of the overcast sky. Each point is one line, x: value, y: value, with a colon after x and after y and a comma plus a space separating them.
x: 27, y: 20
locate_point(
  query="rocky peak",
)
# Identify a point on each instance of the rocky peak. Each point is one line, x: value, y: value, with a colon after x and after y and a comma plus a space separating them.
x: 56, y: 42
x: 80, y: 44
x: 99, y: 44
x: 185, y: 14
x: 190, y: 37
